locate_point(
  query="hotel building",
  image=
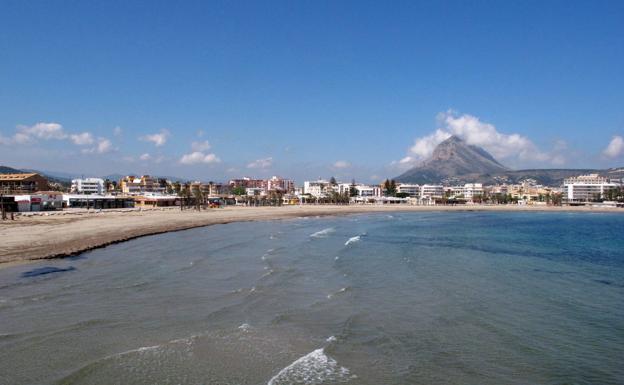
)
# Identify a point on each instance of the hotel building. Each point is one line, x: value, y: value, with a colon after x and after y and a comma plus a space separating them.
x: 586, y: 188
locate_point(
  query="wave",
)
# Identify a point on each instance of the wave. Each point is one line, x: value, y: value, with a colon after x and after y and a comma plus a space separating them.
x: 344, y: 289
x: 351, y: 240
x: 313, y: 368
x: 323, y: 233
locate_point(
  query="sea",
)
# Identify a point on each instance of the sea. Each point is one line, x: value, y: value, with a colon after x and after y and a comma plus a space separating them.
x: 403, y: 298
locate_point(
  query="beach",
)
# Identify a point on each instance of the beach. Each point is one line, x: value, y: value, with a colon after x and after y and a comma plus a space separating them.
x: 62, y: 234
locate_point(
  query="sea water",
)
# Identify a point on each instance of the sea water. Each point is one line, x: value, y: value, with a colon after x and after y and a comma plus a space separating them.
x: 407, y: 298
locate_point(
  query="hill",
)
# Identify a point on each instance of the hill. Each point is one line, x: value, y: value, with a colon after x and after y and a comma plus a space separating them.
x: 456, y: 162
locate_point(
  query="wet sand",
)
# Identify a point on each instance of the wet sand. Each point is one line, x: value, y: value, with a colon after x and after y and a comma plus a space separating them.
x: 36, y: 237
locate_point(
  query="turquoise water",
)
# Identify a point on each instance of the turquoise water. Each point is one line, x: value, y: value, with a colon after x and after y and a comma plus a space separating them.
x: 407, y: 298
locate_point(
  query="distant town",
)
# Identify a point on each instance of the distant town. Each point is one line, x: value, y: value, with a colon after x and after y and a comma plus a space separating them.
x: 33, y: 192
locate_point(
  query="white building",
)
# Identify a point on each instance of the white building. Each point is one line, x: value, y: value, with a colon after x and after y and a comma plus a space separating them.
x: 255, y: 191
x: 317, y: 188
x: 88, y: 186
x: 412, y: 190
x: 432, y: 191
x: 368, y: 191
x: 585, y: 188
x: 472, y: 190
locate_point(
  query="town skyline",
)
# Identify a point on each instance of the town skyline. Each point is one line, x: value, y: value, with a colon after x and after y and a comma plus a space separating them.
x: 218, y: 91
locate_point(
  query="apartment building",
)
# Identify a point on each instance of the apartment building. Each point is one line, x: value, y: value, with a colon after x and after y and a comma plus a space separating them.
x: 88, y: 186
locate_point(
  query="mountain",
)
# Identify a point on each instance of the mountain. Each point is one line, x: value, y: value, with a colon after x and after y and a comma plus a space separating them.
x: 453, y: 159
x: 9, y: 170
x: 456, y: 162
x: 52, y: 177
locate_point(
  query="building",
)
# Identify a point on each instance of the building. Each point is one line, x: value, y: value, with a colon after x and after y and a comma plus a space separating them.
x: 412, y: 190
x: 585, y: 188
x: 431, y: 191
x: 248, y: 183
x: 473, y: 191
x: 140, y: 185
x: 317, y: 188
x: 96, y: 201
x: 255, y: 191
x: 88, y: 186
x: 25, y: 183
x: 280, y: 185
x: 156, y: 200
x: 130, y: 185
x: 368, y: 191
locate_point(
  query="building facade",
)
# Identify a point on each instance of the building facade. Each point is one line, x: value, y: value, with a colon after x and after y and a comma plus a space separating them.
x: 586, y: 188
x: 25, y: 183
x: 88, y: 186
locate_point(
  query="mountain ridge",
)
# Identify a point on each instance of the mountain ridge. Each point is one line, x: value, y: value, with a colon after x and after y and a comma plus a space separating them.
x: 455, y: 162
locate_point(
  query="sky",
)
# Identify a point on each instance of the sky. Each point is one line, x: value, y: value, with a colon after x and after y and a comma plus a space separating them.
x: 305, y: 89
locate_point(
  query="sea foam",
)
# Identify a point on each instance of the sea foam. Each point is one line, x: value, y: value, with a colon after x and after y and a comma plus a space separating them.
x: 323, y: 233
x: 313, y: 368
x: 351, y: 240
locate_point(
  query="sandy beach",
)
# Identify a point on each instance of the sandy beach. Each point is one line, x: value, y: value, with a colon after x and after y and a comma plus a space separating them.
x: 36, y: 237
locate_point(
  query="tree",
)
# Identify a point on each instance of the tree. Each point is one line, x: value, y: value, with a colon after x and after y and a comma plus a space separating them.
x: 352, y: 190
x: 239, y: 190
x: 199, y: 197
x: 108, y: 185
x: 389, y: 187
x: 332, y: 181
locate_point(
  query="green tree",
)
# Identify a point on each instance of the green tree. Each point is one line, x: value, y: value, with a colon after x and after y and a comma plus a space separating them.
x: 389, y: 187
x: 352, y: 190
x: 239, y: 190
x: 332, y: 181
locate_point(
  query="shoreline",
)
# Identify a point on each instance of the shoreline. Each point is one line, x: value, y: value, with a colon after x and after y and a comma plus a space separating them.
x: 35, y: 238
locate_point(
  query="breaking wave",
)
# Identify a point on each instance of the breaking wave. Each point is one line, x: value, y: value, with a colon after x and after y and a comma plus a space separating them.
x: 323, y: 233
x: 313, y: 368
x: 351, y: 240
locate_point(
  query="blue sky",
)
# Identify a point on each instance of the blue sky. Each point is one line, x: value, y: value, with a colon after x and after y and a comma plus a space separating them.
x: 305, y: 89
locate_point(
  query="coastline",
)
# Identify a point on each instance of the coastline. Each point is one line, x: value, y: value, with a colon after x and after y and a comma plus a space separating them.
x: 33, y: 238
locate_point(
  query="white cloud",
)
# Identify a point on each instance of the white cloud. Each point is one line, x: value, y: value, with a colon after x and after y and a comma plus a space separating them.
x: 423, y: 147
x: 470, y: 128
x: 342, y: 164
x: 200, y: 146
x: 145, y: 156
x: 261, y: 163
x: 43, y: 130
x: 117, y: 131
x: 615, y: 147
x: 199, y: 157
x: 82, y: 139
x: 159, y: 139
x: 103, y: 146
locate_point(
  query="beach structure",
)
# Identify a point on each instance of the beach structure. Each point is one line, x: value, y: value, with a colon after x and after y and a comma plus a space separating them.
x: 22, y: 183
x: 156, y: 200
x: 97, y: 201
x: 88, y: 186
